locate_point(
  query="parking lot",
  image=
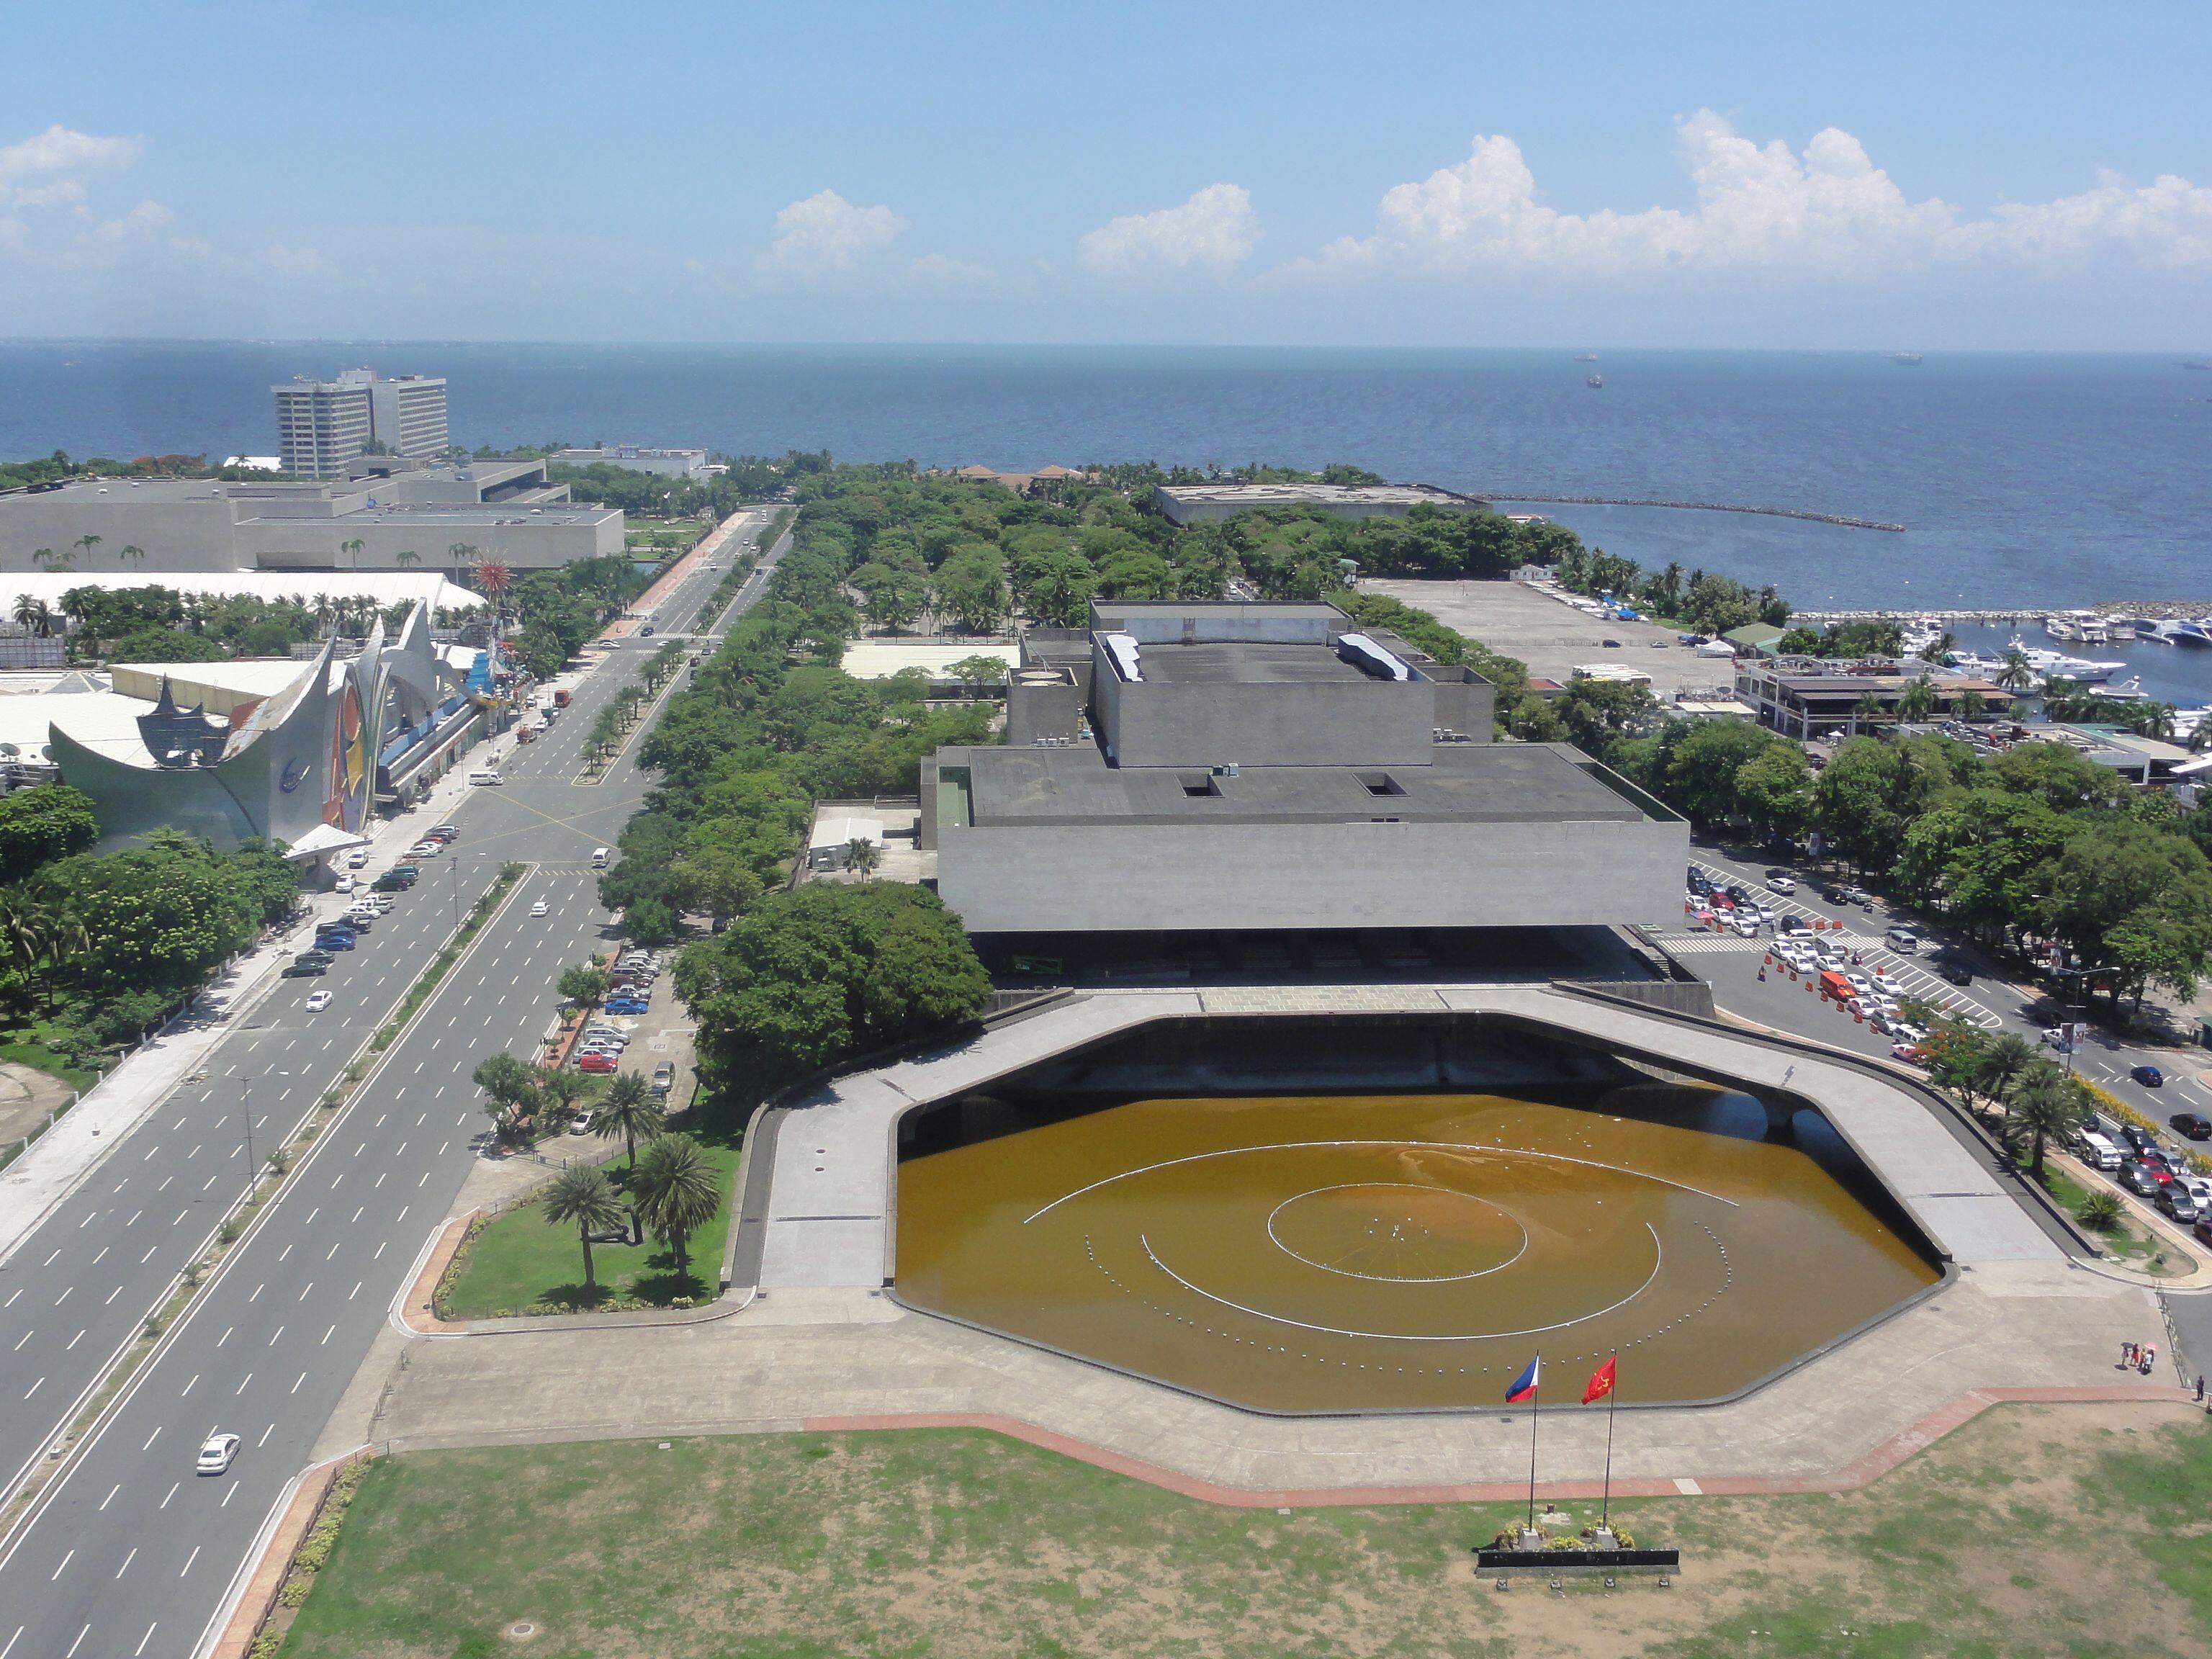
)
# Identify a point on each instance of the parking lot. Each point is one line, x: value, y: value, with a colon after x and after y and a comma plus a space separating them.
x: 1552, y: 637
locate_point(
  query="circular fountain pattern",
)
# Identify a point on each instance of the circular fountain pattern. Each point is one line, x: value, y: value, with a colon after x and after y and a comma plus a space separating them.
x: 1396, y: 1252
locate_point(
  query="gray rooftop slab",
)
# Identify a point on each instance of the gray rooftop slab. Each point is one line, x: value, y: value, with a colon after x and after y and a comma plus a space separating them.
x: 1246, y: 663
x: 1499, y: 783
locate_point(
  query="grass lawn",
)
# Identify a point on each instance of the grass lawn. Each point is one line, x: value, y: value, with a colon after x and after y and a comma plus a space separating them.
x: 519, y: 1261
x: 2058, y: 1530
x: 22, y: 1045
x: 2151, y: 1252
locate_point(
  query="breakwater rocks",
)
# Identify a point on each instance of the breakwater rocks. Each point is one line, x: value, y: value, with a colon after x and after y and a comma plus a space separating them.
x: 1696, y: 507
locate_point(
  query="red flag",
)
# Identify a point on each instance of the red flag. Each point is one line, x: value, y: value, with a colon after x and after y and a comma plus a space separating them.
x: 1601, y: 1384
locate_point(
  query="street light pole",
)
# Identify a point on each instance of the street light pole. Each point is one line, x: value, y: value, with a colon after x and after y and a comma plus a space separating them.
x: 246, y: 1095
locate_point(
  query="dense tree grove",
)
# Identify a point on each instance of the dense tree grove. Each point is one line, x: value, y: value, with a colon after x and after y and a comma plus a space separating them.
x: 1710, y: 603
x: 558, y: 610
x: 103, y: 944
x: 154, y: 623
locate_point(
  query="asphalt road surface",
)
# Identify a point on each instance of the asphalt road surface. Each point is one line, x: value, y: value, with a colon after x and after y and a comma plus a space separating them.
x: 126, y: 1552
x: 1732, y: 965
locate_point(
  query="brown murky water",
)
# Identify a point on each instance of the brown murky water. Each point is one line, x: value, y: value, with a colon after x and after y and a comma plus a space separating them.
x: 1387, y: 1252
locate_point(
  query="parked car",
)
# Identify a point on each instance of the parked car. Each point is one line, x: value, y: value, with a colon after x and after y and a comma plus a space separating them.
x: 2142, y: 1179
x: 344, y: 885
x: 358, y: 859
x: 2142, y: 1142
x: 580, y: 1124
x: 446, y: 831
x: 334, y: 941
x: 217, y: 1453
x: 318, y: 1001
x: 1909, y: 1052
x: 664, y: 1077
x: 1796, y: 926
x: 388, y: 882
x: 592, y: 1062
x: 2150, y: 1076
x: 298, y: 968
x: 629, y: 1005
x: 2054, y: 1036
x: 1833, y: 894
x: 1903, y: 940
x: 1952, y: 971
x: 2193, y: 1125
x: 2176, y: 1201
x: 2204, y: 1225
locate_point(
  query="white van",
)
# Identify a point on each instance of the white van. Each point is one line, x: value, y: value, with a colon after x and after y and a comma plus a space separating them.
x: 599, y: 856
x: 2099, y: 1152
x: 1903, y: 940
x: 485, y: 774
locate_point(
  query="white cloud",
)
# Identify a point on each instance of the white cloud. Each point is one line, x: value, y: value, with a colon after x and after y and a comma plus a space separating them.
x: 941, y: 270
x: 1758, y: 205
x: 50, y: 168
x: 825, y: 234
x: 1215, y: 230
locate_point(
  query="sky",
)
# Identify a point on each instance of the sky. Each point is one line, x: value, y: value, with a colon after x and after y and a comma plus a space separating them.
x: 1925, y: 176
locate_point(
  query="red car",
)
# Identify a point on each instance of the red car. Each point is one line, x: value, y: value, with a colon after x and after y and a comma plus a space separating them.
x: 597, y: 1063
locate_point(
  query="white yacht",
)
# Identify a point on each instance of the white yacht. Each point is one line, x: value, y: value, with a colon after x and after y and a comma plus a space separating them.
x: 2052, y: 664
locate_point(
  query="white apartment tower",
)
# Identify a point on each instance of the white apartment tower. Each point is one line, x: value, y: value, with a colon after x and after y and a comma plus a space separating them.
x: 323, y: 425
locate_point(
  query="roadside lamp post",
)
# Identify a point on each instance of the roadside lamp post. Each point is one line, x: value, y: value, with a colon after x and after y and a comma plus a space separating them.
x: 246, y: 1097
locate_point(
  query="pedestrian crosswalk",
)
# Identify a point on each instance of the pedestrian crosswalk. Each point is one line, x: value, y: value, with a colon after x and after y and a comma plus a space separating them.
x: 1901, y: 977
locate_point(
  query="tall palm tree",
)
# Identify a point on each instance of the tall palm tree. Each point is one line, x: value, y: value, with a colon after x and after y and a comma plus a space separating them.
x: 135, y: 555
x: 351, y: 548
x: 34, y: 616
x: 676, y: 1192
x: 2043, y: 1108
x: 860, y: 854
x: 628, y: 1110
x: 2002, y: 1063
x: 582, y: 1193
x: 2014, y: 673
x: 1918, y: 701
x: 50, y: 561
x: 407, y: 560
x: 88, y: 541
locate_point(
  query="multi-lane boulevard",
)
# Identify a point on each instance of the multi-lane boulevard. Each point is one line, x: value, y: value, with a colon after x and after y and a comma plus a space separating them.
x: 124, y: 1551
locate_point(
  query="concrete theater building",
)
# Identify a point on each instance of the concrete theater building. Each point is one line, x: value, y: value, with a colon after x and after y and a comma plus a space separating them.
x: 1260, y: 767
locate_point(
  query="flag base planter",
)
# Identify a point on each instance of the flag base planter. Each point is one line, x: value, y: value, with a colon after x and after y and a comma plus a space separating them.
x: 1569, y: 1560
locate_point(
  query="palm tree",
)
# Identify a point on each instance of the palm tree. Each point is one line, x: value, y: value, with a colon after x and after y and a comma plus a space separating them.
x: 860, y: 854
x: 676, y: 1192
x: 582, y: 1193
x: 2044, y: 1107
x: 351, y: 548
x: 407, y: 560
x: 1869, y: 709
x: 2003, y: 1062
x: 35, y: 616
x: 2014, y: 673
x: 562, y: 1089
x: 88, y: 541
x: 1917, y: 702
x: 1971, y: 706
x: 135, y: 555
x: 50, y: 561
x: 628, y: 1110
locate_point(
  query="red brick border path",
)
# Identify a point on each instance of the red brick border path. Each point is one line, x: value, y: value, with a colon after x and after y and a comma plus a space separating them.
x: 260, y: 1596
x: 1859, y: 1473
x: 418, y: 1313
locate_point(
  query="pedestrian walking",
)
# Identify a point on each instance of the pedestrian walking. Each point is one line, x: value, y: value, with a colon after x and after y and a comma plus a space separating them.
x: 2127, y: 1355
x: 2149, y: 1359
x: 2200, y: 1390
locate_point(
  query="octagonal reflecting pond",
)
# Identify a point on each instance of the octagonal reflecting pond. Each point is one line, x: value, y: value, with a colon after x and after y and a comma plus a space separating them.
x: 1408, y: 1252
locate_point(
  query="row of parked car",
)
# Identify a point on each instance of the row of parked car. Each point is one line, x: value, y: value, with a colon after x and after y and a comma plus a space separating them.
x: 2131, y: 1155
x: 629, y: 995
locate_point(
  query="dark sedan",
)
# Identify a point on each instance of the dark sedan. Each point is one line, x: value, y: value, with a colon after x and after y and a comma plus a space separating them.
x: 2193, y: 1125
x: 2150, y: 1076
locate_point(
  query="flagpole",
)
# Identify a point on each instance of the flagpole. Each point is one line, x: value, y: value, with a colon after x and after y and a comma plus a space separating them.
x: 1612, y: 1405
x: 1535, y: 1403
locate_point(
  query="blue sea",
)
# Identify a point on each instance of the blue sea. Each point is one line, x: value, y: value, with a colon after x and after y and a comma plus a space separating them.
x: 2024, y: 480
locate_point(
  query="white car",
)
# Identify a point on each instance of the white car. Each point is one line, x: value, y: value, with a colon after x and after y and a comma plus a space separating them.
x: 216, y: 1453
x: 345, y: 884
x: 358, y: 859
x: 581, y: 1124
x: 1781, y: 885
x: 1763, y: 913
x: 1858, y: 981
x: 540, y: 909
x: 318, y: 1001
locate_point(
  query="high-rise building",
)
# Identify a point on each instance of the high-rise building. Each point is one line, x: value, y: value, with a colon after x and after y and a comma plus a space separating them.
x: 323, y: 425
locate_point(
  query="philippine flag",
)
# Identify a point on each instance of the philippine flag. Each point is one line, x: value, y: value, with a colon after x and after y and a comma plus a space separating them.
x: 1524, y: 1385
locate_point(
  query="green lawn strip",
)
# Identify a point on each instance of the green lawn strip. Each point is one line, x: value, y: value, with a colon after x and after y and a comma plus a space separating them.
x: 2033, y: 1531
x: 518, y: 1262
x: 2127, y: 1240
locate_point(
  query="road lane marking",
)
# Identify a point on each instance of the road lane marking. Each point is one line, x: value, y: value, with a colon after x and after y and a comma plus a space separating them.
x: 295, y: 1387
x: 127, y: 1560
x: 111, y: 1296
x: 263, y: 1441
x: 83, y: 1225
x: 64, y: 1297
x: 272, y: 1340
x: 104, y: 1250
x: 188, y: 1387
x: 66, y: 1559
x: 74, y: 1341
x: 79, y: 1643
x: 149, y: 1256
x: 155, y: 1626
x: 35, y: 1387
x: 355, y: 1292
x: 135, y: 1214
x: 104, y: 1503
x: 258, y: 1289
x: 327, y: 1335
x: 240, y: 1388
x: 150, y: 1439
x: 334, y: 1249
x: 21, y: 1340
x: 181, y: 1571
x: 225, y: 1337
x: 303, y: 1294
x: 10, y: 1302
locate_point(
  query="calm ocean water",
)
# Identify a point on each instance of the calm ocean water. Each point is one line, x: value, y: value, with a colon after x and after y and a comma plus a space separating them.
x: 2025, y: 480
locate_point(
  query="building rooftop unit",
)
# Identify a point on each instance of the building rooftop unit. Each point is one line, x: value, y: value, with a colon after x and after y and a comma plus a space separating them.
x: 1192, y: 503
x: 1465, y: 783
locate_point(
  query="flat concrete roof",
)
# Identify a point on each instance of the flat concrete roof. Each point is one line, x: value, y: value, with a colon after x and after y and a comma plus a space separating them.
x: 1245, y: 663
x: 1475, y: 783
